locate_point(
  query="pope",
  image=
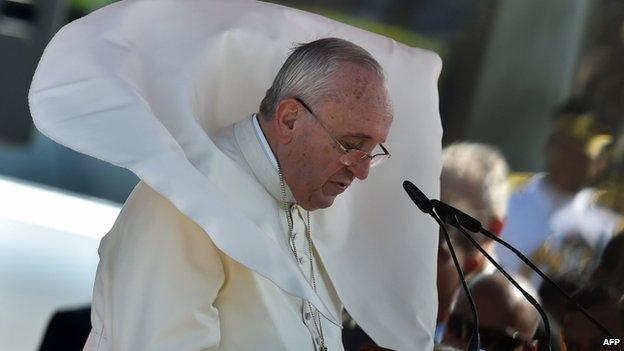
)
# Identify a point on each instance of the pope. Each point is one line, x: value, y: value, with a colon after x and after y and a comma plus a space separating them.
x: 268, y: 200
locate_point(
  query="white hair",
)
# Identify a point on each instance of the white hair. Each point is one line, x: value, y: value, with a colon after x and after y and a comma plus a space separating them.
x: 309, y: 68
x: 474, y: 179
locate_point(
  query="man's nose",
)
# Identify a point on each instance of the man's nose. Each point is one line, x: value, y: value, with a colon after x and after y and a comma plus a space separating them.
x: 360, y: 170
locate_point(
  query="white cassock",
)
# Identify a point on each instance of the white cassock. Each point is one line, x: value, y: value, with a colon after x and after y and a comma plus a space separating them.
x: 545, y: 225
x: 199, y: 257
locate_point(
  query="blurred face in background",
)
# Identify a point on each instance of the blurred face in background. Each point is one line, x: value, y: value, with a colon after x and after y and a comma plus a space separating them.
x: 569, y: 167
x: 448, y: 279
x: 506, y: 322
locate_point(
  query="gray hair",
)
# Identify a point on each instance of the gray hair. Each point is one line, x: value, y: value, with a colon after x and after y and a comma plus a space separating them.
x: 474, y: 176
x: 310, y: 67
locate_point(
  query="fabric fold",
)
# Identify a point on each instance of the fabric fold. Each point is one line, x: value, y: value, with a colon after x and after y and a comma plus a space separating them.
x: 145, y: 84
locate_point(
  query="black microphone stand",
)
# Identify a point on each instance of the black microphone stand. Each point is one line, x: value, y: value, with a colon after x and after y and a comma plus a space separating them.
x: 473, y: 225
x: 425, y: 206
x: 528, y: 262
x: 526, y: 295
x: 474, y: 343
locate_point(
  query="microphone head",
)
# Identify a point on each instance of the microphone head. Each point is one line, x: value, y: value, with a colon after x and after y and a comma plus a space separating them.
x: 418, y: 197
x: 448, y: 213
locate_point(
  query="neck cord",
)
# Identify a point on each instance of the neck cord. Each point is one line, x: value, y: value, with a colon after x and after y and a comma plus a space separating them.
x: 316, y: 316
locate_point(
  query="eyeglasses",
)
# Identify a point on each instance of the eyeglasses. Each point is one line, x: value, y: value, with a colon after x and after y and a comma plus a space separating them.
x: 351, y: 156
x: 491, y: 339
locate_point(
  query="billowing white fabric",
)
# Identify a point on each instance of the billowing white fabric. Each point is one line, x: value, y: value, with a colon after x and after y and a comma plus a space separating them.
x: 145, y: 84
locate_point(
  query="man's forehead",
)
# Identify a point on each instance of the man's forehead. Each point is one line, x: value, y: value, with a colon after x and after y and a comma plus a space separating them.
x: 375, y: 130
x: 356, y: 84
x: 358, y: 105
x: 361, y: 119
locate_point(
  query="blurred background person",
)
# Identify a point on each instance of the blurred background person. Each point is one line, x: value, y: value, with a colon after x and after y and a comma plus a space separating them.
x: 448, y: 283
x: 604, y: 304
x: 555, y: 218
x: 507, y: 321
x: 610, y: 270
x: 474, y: 180
x: 554, y: 304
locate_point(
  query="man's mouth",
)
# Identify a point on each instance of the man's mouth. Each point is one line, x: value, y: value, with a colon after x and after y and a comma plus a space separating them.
x: 337, y: 187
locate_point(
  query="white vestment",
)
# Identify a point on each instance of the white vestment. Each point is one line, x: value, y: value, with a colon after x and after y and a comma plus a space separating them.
x: 540, y: 218
x: 157, y: 263
x: 146, y: 84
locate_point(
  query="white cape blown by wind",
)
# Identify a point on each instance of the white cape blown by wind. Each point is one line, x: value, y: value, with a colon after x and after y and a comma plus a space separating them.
x: 145, y: 84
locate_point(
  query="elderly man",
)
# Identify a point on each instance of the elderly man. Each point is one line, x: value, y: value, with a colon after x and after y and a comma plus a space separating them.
x: 161, y: 281
x: 473, y: 179
x: 507, y: 321
x: 214, y: 249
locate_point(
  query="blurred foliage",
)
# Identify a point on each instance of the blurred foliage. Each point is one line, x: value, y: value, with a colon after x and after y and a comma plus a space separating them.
x: 85, y: 6
x: 397, y: 33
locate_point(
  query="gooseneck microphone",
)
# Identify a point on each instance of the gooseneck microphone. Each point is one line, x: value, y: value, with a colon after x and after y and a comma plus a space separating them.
x: 452, y: 218
x: 424, y: 204
x: 448, y: 213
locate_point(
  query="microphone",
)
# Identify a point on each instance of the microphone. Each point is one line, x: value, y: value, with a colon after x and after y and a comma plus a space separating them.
x: 448, y: 213
x: 453, y: 219
x: 423, y: 203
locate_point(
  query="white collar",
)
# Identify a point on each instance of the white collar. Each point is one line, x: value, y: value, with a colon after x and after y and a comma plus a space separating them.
x: 265, y: 144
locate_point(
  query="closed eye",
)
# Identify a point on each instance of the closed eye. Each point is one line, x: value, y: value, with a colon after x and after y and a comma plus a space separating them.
x: 354, y: 145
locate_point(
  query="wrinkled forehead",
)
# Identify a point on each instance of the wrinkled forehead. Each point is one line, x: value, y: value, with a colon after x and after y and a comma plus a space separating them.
x: 358, y: 103
x: 361, y: 87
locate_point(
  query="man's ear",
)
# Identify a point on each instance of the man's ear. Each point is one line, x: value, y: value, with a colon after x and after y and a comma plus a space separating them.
x: 496, y: 226
x: 472, y: 262
x: 286, y: 114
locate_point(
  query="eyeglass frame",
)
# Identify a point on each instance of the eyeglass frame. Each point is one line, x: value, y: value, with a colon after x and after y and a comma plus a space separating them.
x: 344, y: 149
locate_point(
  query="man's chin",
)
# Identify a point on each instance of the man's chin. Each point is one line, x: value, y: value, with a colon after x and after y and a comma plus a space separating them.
x: 328, y: 203
x: 320, y: 202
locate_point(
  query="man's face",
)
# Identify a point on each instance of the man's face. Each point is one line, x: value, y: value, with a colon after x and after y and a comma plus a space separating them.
x: 358, y: 115
x: 568, y: 166
x: 448, y: 279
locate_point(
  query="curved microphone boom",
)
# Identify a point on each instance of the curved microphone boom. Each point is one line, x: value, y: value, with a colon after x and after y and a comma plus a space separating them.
x: 417, y: 196
x: 447, y: 212
x: 424, y: 204
x: 526, y: 295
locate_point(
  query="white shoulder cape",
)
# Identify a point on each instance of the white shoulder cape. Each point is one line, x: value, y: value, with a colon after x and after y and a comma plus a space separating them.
x: 145, y: 84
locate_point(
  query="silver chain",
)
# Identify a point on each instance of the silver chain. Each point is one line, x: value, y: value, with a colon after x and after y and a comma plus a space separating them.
x: 316, y: 316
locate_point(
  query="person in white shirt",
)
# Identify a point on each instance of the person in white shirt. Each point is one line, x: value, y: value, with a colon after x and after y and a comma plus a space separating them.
x: 555, y: 219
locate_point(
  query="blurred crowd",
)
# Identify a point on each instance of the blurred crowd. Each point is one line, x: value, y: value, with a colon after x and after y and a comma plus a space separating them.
x: 557, y: 219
